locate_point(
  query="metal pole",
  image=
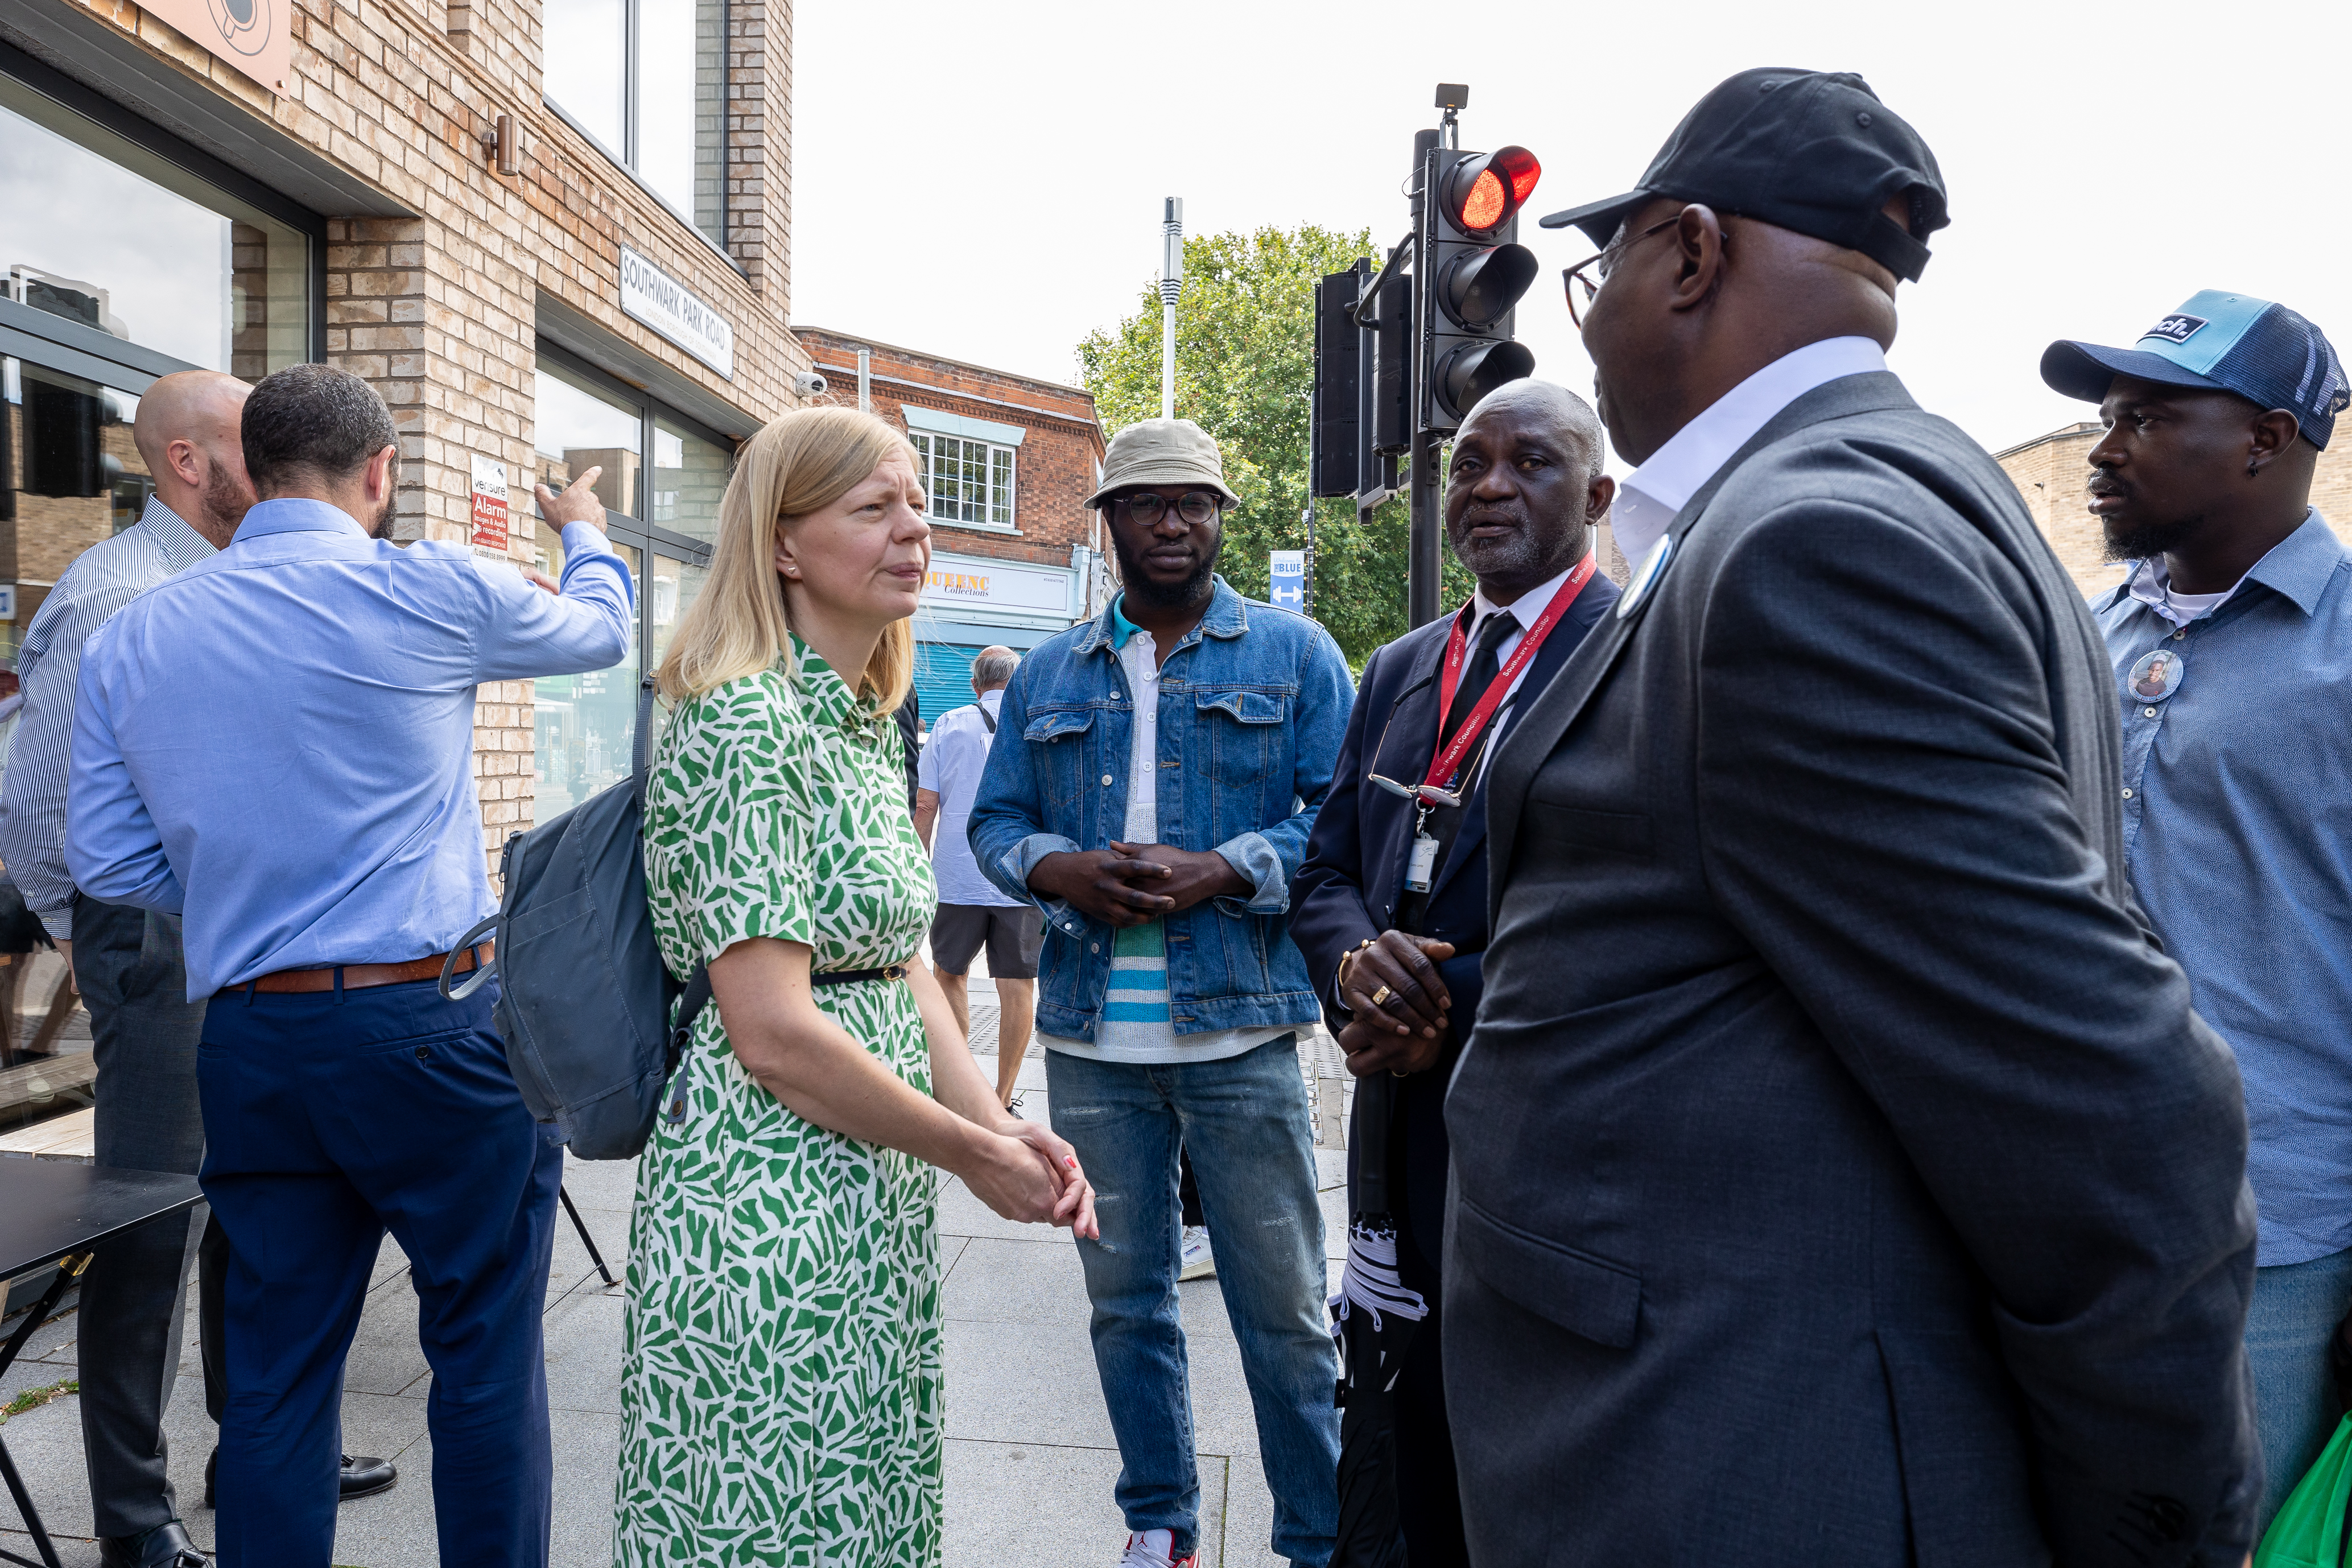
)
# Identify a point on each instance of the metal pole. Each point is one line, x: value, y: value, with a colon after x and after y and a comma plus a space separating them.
x: 1307, y: 595
x: 1422, y: 559
x: 864, y: 380
x: 1171, y: 283
x: 1428, y: 533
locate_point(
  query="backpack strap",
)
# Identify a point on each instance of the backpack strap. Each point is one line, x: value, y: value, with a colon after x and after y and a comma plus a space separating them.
x: 689, y: 1008
x: 986, y: 717
x: 641, y: 746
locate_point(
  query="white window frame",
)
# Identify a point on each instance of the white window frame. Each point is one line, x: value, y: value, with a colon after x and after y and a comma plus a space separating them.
x: 1000, y: 457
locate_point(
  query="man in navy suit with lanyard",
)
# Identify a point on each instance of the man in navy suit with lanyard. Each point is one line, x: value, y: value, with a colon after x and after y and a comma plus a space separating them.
x: 1391, y: 907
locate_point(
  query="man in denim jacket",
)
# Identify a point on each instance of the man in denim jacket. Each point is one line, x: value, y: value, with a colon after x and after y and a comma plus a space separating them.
x: 1171, y: 755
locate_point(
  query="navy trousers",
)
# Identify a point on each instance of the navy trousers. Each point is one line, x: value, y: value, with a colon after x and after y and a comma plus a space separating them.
x: 330, y: 1117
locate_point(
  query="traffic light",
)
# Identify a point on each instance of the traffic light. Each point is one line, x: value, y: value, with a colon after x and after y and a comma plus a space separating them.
x: 1339, y: 360
x: 1361, y: 417
x: 1470, y: 273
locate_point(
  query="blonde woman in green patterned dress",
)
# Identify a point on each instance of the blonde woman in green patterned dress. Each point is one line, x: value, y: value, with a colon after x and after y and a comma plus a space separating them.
x: 779, y: 1393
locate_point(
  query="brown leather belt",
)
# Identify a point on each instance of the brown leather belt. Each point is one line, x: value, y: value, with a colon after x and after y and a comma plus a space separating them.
x: 360, y: 976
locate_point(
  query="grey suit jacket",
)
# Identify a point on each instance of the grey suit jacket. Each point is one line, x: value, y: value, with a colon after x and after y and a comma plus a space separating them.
x: 1840, y: 1175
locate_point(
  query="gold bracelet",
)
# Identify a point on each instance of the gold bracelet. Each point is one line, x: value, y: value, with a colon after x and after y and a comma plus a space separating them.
x: 1341, y: 986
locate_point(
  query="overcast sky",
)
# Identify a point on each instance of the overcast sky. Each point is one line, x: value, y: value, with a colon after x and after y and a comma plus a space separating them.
x: 982, y: 181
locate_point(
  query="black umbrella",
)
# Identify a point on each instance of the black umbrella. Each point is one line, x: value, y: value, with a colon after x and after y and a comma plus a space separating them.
x: 1374, y: 1317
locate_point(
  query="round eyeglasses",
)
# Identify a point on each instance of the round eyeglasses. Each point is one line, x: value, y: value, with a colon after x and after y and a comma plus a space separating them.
x: 1147, y: 507
x: 1591, y: 273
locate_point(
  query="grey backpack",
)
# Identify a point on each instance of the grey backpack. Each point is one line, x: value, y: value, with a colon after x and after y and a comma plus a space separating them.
x: 583, y: 997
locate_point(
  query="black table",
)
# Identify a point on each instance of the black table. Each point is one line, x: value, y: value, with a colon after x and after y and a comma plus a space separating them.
x: 52, y: 1211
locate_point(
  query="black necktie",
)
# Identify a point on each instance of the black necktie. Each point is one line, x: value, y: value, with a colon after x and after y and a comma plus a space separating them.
x: 1444, y: 823
x: 1484, y: 664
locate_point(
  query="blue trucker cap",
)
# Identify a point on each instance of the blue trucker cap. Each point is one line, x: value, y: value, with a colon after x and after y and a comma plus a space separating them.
x: 2220, y: 342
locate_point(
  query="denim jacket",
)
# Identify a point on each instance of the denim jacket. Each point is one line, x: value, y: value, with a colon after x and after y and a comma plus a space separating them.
x: 1253, y: 704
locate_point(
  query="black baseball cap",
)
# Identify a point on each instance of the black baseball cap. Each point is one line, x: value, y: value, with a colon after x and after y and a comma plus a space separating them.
x: 1813, y: 152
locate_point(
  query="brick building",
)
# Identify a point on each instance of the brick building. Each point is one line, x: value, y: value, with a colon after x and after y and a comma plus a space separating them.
x: 2052, y: 473
x: 551, y: 232
x: 1008, y: 463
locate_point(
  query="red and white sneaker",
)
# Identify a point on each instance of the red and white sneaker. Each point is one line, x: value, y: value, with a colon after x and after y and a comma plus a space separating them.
x: 1151, y: 1549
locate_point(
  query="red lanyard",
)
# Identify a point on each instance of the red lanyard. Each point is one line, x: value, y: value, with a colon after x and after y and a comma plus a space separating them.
x: 1443, y: 766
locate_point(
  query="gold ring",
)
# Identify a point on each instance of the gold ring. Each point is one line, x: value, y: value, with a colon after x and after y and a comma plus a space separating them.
x: 1382, y: 997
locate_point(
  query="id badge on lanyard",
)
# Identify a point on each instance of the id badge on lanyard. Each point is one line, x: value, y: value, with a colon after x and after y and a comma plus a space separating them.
x: 1422, y: 864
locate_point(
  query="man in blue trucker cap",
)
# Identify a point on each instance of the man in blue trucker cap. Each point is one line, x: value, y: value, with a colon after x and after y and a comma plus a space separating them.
x: 2231, y: 637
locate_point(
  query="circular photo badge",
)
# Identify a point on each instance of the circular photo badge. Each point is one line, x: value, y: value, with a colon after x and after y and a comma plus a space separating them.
x: 2157, y: 676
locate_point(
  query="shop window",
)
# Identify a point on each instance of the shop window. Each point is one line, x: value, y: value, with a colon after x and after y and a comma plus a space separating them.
x: 969, y: 482
x: 689, y: 476
x: 661, y: 517
x: 117, y: 238
x: 647, y: 80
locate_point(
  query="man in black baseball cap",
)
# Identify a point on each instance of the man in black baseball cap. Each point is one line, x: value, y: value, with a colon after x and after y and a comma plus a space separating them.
x: 1839, y: 1174
x: 1813, y: 152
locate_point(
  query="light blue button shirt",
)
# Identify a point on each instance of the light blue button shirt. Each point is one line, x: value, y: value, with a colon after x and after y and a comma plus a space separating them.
x: 2238, y: 833
x: 278, y: 742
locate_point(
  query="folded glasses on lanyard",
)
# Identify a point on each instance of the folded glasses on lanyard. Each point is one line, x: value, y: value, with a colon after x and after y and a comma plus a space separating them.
x: 1427, y: 795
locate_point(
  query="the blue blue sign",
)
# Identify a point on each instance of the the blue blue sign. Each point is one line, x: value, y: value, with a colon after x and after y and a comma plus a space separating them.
x: 1286, y: 579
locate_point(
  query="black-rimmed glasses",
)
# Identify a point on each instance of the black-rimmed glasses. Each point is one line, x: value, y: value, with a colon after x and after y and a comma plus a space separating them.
x: 1147, y: 507
x: 1599, y: 264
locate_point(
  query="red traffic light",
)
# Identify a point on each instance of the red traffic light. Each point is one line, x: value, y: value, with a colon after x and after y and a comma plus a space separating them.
x: 1482, y: 193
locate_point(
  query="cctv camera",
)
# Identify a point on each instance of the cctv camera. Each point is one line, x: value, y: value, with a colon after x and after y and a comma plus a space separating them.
x: 808, y: 384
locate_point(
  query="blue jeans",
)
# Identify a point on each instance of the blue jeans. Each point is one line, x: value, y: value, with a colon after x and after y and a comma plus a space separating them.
x: 2295, y: 1309
x: 329, y: 1119
x: 1245, y: 1121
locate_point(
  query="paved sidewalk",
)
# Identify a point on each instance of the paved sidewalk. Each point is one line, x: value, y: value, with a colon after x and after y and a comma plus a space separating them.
x: 1030, y: 1460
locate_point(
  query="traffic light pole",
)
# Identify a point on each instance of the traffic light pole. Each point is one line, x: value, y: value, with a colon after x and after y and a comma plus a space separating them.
x: 1426, y: 556
x: 1423, y: 564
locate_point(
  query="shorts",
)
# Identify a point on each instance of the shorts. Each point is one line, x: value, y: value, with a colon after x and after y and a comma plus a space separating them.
x: 1015, y: 934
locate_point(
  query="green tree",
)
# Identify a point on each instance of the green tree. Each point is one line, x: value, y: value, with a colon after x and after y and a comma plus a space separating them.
x: 1245, y: 373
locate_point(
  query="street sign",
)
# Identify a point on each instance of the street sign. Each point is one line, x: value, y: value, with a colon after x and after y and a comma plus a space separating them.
x: 1285, y: 573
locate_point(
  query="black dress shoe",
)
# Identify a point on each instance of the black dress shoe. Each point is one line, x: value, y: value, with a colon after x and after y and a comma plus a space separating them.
x: 362, y: 1476
x: 165, y: 1546
x: 365, y: 1477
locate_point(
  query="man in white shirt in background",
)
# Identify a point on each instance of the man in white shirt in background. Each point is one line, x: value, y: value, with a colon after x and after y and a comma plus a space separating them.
x: 972, y: 909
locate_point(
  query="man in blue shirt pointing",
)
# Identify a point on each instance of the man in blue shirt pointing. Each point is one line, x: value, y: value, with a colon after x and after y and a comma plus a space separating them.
x: 278, y: 746
x: 2232, y: 639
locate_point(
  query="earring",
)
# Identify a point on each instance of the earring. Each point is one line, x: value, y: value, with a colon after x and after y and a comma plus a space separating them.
x: 2254, y: 467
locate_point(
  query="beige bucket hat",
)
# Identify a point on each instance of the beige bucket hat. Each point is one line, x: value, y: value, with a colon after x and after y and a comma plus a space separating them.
x: 1162, y: 452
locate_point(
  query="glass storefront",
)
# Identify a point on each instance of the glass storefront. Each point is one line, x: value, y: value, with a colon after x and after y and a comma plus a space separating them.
x: 109, y: 234
x: 662, y: 517
x: 121, y: 259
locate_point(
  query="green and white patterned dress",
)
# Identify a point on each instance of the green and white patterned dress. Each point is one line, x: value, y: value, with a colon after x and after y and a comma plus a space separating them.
x: 779, y: 1381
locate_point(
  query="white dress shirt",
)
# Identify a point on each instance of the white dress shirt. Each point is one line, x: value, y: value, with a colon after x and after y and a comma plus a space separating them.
x: 1525, y: 610
x: 1653, y: 493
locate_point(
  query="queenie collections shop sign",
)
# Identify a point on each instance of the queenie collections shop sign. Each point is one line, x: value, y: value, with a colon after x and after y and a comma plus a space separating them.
x: 659, y: 300
x: 254, y: 36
